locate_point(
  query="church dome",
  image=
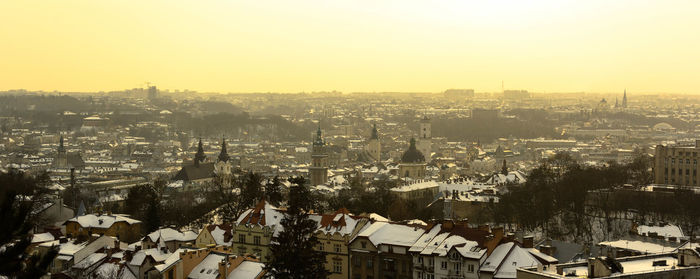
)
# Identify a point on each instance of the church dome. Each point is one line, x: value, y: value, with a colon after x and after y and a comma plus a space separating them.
x: 412, y: 155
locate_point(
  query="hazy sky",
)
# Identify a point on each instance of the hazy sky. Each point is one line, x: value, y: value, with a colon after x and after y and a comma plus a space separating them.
x: 351, y: 45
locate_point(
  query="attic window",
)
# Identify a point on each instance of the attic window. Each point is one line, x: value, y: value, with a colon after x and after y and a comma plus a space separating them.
x: 515, y: 263
x: 202, y: 271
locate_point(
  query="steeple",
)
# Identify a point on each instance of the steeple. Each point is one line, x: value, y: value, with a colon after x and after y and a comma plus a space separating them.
x: 624, y: 99
x: 374, y: 132
x: 199, y: 156
x: 223, y: 155
x: 318, y: 141
x: 61, y: 148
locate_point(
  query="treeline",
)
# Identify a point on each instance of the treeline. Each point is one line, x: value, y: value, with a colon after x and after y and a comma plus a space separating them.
x: 271, y: 126
x: 567, y: 200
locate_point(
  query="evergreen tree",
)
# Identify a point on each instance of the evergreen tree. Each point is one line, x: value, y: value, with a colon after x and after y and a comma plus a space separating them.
x: 251, y: 190
x: 293, y: 254
x: 143, y: 203
x: 273, y: 192
x: 16, y: 217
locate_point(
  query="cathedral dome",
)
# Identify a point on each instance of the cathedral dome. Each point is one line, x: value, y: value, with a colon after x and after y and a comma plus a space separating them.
x: 412, y: 155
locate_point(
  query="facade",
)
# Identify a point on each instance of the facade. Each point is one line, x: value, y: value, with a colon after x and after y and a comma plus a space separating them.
x: 425, y: 140
x: 334, y: 234
x: 319, y: 161
x: 381, y: 250
x: 117, y: 225
x: 677, y: 165
x: 215, y: 235
x: 254, y: 230
x: 170, y: 238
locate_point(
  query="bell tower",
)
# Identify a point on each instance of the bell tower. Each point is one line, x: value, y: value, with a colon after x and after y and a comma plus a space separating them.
x: 319, y: 160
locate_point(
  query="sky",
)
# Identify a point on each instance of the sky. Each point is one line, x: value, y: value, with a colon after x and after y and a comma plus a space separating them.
x: 351, y: 45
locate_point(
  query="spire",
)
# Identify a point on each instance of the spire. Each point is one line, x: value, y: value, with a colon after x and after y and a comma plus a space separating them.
x: 223, y: 155
x: 374, y: 132
x: 199, y: 156
x: 504, y: 168
x: 624, y: 99
x: 318, y: 141
x: 61, y: 148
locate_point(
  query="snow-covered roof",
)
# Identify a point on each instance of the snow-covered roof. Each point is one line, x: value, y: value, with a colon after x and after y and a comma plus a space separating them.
x: 665, y: 231
x: 246, y: 270
x: 42, y: 237
x: 157, y: 254
x: 168, y: 234
x: 208, y: 268
x: 102, y: 221
x: 393, y: 234
x: 506, y: 258
x: 639, y: 246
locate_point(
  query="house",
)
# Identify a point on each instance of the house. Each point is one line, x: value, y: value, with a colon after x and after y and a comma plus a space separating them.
x: 210, y: 262
x: 254, y: 230
x: 71, y: 252
x: 334, y: 234
x: 381, y: 250
x: 450, y: 249
x: 215, y: 235
x: 172, y: 238
x: 117, y: 225
x: 505, y: 260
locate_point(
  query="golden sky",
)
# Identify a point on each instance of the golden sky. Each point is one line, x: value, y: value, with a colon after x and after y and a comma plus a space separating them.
x: 351, y: 45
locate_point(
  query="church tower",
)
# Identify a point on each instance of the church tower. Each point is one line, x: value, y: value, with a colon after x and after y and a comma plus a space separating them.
x: 199, y: 156
x: 425, y: 140
x: 374, y: 148
x: 319, y: 161
x: 624, y: 99
x: 61, y: 160
x: 223, y: 164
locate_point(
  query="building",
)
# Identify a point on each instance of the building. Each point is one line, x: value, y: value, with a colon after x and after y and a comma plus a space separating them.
x: 457, y: 94
x: 334, y: 234
x: 374, y: 147
x: 412, y: 164
x: 449, y: 250
x: 425, y: 140
x: 172, y: 239
x: 117, y: 225
x: 65, y: 160
x: 381, y: 250
x: 200, y: 172
x: 255, y: 228
x: 319, y: 161
x: 677, y: 164
x: 219, y: 235
x: 684, y: 263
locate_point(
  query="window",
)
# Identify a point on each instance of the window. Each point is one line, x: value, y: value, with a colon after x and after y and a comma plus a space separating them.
x: 420, y: 259
x: 443, y: 264
x: 336, y: 248
x: 320, y: 246
x: 337, y: 266
x: 370, y: 263
x: 458, y: 268
x: 357, y: 261
x: 364, y: 244
x: 687, y: 161
x: 241, y: 238
x: 256, y: 240
x: 470, y: 268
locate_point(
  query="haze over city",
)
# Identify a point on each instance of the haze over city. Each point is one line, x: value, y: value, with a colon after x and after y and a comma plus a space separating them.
x: 339, y: 139
x: 351, y: 46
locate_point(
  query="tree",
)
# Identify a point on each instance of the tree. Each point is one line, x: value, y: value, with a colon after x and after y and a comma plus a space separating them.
x: 143, y: 203
x: 251, y: 190
x: 273, y: 192
x: 19, y: 196
x: 293, y: 254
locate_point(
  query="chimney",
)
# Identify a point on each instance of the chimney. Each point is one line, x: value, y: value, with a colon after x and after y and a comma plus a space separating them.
x: 223, y: 267
x: 528, y: 241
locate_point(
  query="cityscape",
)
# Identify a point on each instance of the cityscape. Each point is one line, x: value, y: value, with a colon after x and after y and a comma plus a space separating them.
x: 499, y: 179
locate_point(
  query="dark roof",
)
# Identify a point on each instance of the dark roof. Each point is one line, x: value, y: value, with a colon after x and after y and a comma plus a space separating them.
x: 412, y: 155
x: 193, y: 172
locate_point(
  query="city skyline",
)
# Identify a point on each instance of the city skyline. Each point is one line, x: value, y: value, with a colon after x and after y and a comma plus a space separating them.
x: 411, y: 46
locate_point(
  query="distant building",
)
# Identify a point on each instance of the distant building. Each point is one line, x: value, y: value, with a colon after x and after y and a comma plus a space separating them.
x: 412, y: 163
x: 459, y: 93
x: 319, y: 161
x: 677, y: 165
x: 425, y: 141
x: 516, y: 94
x: 374, y: 147
x: 118, y: 225
x: 65, y: 160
